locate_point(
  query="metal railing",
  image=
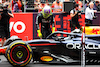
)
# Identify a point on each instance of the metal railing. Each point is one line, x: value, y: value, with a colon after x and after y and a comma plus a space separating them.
x: 29, y: 5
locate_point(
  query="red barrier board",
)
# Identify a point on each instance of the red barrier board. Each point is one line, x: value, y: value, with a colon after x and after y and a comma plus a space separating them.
x: 22, y: 25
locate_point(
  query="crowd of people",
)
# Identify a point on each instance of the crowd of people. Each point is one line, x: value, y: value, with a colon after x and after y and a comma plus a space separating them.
x: 13, y: 5
x: 57, y: 5
x: 38, y: 5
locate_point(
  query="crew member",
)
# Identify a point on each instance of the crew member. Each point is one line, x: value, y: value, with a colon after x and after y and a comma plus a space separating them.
x: 45, y: 18
x: 75, y: 14
x: 5, y: 15
x: 89, y: 14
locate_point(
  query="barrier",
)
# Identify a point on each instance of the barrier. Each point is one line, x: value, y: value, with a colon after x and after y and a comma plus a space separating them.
x: 23, y: 24
x: 61, y: 22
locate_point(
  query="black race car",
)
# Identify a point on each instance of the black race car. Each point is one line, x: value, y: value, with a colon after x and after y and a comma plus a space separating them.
x: 59, y: 47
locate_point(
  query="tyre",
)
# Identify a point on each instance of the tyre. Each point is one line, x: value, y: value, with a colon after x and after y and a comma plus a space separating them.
x: 19, y: 53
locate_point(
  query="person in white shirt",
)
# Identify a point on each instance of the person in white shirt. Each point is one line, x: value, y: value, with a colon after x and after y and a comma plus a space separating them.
x: 89, y: 14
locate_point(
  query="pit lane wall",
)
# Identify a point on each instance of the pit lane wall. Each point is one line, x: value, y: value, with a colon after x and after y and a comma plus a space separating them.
x: 23, y: 24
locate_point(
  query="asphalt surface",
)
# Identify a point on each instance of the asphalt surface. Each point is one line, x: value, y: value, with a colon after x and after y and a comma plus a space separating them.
x: 4, y: 63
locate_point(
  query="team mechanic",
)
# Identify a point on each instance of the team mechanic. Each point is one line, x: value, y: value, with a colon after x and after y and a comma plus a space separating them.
x: 46, y: 19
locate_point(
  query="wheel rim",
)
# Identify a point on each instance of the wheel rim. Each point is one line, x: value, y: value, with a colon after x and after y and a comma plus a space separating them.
x: 19, y: 54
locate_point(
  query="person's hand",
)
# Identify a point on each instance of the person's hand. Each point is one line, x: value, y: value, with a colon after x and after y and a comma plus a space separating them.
x: 95, y: 11
x: 39, y: 33
x: 79, y: 13
x: 53, y: 29
x: 11, y: 15
x: 0, y: 17
x: 76, y: 12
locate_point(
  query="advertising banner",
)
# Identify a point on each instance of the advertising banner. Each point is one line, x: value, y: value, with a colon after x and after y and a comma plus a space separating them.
x: 62, y: 23
x: 22, y: 25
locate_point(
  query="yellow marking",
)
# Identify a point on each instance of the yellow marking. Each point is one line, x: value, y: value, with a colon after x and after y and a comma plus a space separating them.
x: 15, y: 44
x: 92, y: 30
x: 29, y: 48
x: 28, y: 60
x: 10, y: 59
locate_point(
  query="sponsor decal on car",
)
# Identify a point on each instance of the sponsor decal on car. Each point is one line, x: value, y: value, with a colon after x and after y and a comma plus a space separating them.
x: 46, y: 58
x: 79, y: 46
x: 92, y: 30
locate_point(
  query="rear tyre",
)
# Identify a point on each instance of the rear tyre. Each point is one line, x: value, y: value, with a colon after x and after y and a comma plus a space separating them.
x: 19, y: 53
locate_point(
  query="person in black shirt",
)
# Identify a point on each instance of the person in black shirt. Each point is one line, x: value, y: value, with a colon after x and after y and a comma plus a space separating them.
x: 45, y: 18
x: 5, y: 15
x: 75, y: 14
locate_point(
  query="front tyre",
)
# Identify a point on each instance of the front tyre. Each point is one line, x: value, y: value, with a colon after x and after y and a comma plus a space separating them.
x: 19, y: 53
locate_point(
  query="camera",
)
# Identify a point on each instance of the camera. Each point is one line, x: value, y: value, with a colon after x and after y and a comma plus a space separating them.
x: 79, y: 11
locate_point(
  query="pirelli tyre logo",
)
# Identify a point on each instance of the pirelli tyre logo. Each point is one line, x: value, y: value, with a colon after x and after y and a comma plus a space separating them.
x: 79, y: 46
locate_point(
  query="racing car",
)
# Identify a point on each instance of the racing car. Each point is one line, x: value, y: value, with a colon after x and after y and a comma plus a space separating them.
x: 58, y: 47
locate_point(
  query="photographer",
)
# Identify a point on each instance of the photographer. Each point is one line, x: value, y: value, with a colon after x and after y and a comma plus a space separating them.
x: 89, y: 14
x: 5, y: 15
x: 75, y: 14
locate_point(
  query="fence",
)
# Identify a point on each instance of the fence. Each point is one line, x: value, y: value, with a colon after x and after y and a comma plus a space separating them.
x: 28, y: 5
